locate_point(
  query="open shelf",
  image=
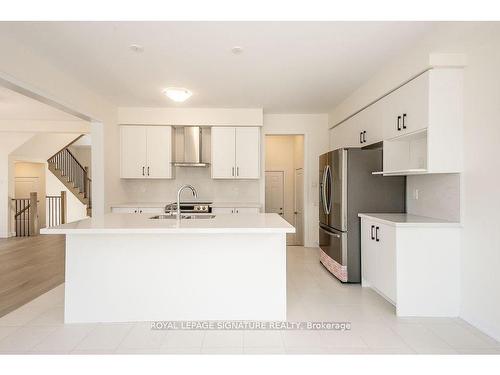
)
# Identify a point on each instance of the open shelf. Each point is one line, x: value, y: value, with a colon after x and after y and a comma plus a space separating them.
x: 401, y: 172
x: 406, y: 154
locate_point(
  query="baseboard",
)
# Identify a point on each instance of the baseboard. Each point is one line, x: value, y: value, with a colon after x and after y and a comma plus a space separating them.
x: 486, y: 329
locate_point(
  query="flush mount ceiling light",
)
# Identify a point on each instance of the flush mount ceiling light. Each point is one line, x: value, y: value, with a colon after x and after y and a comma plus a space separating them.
x: 237, y: 50
x: 137, y: 48
x: 177, y: 94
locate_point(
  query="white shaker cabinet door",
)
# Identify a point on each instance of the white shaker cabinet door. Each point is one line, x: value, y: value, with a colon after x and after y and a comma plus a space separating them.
x: 223, y: 152
x: 124, y: 210
x: 368, y: 253
x: 246, y: 210
x: 222, y: 210
x: 133, y: 143
x: 247, y: 152
x: 159, y: 146
x: 385, y: 280
x: 407, y: 109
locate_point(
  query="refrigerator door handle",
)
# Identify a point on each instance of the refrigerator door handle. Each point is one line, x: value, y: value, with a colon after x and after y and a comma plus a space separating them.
x: 332, y: 234
x: 327, y: 201
x: 323, y: 191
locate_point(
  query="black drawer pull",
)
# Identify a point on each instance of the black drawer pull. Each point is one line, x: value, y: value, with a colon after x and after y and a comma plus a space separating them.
x: 371, y: 232
x: 376, y: 234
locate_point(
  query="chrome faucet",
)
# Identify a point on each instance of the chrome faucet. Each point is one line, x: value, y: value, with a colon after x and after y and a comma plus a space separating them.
x: 193, y: 190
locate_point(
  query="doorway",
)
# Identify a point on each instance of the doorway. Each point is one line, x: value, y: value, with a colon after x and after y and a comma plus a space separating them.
x: 284, y: 182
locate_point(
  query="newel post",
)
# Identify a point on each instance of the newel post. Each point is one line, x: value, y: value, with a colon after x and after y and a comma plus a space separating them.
x: 64, y: 206
x: 34, y: 228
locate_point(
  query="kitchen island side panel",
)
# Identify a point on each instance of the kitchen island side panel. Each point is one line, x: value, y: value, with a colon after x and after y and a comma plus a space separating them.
x: 147, y: 277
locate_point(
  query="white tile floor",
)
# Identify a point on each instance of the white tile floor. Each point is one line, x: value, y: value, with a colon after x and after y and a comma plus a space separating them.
x: 313, y: 294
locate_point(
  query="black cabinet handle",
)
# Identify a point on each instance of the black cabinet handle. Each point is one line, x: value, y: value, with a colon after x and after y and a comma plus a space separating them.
x: 404, y: 122
x: 372, y: 236
x: 399, y: 123
x: 376, y: 234
x: 143, y: 171
x: 148, y: 171
x: 364, y: 136
x: 360, y: 137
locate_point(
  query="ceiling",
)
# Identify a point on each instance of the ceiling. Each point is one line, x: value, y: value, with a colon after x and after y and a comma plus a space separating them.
x: 285, y: 67
x: 15, y: 106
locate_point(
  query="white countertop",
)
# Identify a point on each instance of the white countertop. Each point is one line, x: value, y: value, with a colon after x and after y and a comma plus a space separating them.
x: 408, y: 220
x: 162, y: 204
x: 141, y: 223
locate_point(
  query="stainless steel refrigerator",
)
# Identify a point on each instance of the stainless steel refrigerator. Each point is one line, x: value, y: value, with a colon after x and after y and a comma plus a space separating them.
x: 347, y: 187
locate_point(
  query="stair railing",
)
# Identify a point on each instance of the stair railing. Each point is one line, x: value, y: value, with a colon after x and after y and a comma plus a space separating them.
x: 76, y: 173
x: 56, y: 209
x: 26, y: 216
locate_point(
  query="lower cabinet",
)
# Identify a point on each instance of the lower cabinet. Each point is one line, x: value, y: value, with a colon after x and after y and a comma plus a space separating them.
x: 378, y: 244
x: 137, y: 210
x: 235, y: 210
x: 415, y: 266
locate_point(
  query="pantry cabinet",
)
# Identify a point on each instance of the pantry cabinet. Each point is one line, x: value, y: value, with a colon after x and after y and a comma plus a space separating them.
x: 146, y: 152
x: 235, y: 152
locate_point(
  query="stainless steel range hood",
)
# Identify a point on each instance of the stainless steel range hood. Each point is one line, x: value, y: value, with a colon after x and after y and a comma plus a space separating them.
x: 192, y: 148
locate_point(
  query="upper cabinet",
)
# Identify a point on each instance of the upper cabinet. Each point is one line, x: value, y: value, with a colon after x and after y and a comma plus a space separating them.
x: 406, y: 109
x: 235, y: 152
x: 423, y: 125
x: 362, y: 129
x: 420, y: 124
x: 146, y: 152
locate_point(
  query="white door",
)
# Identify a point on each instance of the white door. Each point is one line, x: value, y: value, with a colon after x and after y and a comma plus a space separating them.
x: 299, y: 207
x: 275, y: 192
x: 247, y: 152
x: 159, y: 152
x: 133, y: 151
x: 26, y: 185
x: 223, y: 152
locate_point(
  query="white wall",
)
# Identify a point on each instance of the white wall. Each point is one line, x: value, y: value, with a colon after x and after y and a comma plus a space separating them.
x: 480, y: 254
x: 283, y: 155
x: 23, y: 66
x: 314, y: 128
x: 8, y: 142
x: 42, y: 146
x: 190, y: 116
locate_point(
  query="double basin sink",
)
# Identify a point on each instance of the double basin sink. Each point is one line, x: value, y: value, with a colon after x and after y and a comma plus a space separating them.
x: 183, y: 217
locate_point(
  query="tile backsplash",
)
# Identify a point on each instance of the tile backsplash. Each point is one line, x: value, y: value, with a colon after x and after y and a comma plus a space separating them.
x: 207, y: 188
x: 438, y: 195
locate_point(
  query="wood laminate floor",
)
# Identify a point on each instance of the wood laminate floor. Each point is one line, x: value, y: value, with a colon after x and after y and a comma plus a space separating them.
x: 29, y: 267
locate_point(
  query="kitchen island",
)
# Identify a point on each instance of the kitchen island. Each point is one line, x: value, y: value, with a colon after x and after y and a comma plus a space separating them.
x: 124, y: 268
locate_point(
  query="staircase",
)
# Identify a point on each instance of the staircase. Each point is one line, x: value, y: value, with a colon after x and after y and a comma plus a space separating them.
x: 73, y: 175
